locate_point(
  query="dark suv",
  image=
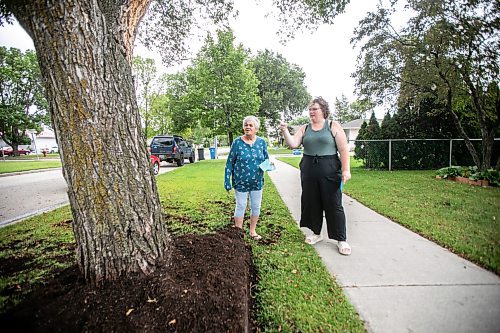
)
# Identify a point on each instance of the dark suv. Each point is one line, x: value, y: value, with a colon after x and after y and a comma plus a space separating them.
x: 172, y: 148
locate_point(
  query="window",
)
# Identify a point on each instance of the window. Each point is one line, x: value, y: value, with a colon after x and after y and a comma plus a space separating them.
x: 163, y: 141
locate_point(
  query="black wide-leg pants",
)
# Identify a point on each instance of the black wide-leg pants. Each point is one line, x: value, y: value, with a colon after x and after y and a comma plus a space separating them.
x: 320, y: 178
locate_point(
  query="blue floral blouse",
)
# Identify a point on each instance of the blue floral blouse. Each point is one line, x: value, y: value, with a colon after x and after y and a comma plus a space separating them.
x: 242, y: 166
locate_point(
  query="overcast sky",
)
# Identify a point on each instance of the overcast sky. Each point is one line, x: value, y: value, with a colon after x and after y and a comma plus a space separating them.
x: 325, y: 55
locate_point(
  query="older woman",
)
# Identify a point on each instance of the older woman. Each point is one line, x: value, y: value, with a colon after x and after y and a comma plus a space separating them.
x: 244, y: 173
x: 322, y: 173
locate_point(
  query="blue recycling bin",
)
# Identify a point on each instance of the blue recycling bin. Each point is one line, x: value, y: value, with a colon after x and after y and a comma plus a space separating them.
x: 212, y: 153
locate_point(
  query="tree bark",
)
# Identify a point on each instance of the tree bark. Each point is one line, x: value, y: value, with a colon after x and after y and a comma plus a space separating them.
x: 84, y: 49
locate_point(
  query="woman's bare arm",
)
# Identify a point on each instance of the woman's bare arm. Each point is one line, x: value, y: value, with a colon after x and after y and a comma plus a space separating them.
x: 293, y: 141
x: 343, y: 148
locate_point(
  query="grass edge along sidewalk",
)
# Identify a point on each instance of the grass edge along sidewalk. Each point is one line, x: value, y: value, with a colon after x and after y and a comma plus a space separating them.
x: 464, y: 219
x: 295, y: 292
x: 19, y: 166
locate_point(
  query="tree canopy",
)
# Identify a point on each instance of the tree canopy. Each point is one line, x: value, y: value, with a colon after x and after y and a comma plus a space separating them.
x: 168, y: 24
x: 281, y: 87
x: 222, y: 85
x: 447, y: 51
x: 346, y: 111
x: 147, y: 87
x: 189, y: 98
x: 23, y: 97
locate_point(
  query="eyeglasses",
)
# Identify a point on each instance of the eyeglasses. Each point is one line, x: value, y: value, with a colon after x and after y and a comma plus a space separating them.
x: 314, y: 109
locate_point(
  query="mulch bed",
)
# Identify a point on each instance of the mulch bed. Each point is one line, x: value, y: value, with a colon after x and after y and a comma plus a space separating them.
x: 205, y: 288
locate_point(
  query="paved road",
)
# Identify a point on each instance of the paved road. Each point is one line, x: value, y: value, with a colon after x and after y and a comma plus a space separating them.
x: 27, y: 194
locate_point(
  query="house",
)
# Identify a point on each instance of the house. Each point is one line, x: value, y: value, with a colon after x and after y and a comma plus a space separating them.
x: 351, y: 129
x: 45, y: 140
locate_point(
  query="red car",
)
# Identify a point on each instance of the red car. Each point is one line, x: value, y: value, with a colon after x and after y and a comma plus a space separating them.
x: 155, y: 162
x: 8, y: 151
x: 5, y: 151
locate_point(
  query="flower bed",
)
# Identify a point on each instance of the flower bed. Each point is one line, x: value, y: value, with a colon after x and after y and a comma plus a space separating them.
x: 469, y: 181
x: 470, y: 175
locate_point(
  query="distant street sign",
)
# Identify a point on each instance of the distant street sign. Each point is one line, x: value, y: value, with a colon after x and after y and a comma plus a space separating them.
x: 33, y: 138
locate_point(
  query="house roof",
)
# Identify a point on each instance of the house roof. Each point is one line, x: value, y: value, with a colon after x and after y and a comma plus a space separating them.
x: 353, y: 124
x: 356, y: 124
x: 46, y: 132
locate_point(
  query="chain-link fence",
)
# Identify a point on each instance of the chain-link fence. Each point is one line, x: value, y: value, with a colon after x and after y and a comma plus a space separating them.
x: 419, y: 154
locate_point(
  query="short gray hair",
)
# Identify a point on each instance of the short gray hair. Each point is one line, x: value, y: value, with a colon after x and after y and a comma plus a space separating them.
x: 255, y: 120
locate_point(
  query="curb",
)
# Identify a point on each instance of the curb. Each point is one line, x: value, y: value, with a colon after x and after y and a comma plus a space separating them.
x: 31, y: 214
x: 27, y: 172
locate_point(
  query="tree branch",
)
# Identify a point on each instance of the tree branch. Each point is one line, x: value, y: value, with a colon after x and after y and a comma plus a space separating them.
x: 131, y: 17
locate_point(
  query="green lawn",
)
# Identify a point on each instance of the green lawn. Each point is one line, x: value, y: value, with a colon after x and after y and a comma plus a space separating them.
x: 273, y: 151
x: 279, y: 151
x: 295, y: 292
x: 45, y: 240
x: 463, y: 218
x: 15, y: 165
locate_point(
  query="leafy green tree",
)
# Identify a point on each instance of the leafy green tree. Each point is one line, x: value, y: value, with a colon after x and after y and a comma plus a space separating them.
x: 168, y: 23
x: 299, y: 120
x: 342, y: 110
x: 161, y: 115
x: 200, y: 135
x: 86, y: 65
x: 387, y: 130
x: 388, y: 127
x: 375, y: 150
x: 360, y: 107
x: 180, y: 110
x: 223, y: 88
x: 360, y: 145
x: 373, y: 128
x: 447, y: 51
x: 281, y: 87
x: 147, y: 87
x: 23, y: 98
x: 345, y: 111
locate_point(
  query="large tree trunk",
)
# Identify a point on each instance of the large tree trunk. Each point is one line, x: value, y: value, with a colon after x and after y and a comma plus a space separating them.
x: 84, y: 49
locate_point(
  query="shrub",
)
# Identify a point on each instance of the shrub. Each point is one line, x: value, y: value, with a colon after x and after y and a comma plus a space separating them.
x: 450, y: 172
x: 491, y: 175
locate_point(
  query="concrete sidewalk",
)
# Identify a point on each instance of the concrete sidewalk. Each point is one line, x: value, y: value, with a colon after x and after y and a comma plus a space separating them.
x: 397, y: 280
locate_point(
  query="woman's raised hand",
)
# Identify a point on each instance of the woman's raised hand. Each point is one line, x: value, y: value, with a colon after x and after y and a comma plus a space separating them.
x: 283, y: 126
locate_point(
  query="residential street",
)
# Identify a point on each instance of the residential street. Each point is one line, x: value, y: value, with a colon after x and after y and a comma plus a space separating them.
x: 27, y: 194
x: 31, y: 193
